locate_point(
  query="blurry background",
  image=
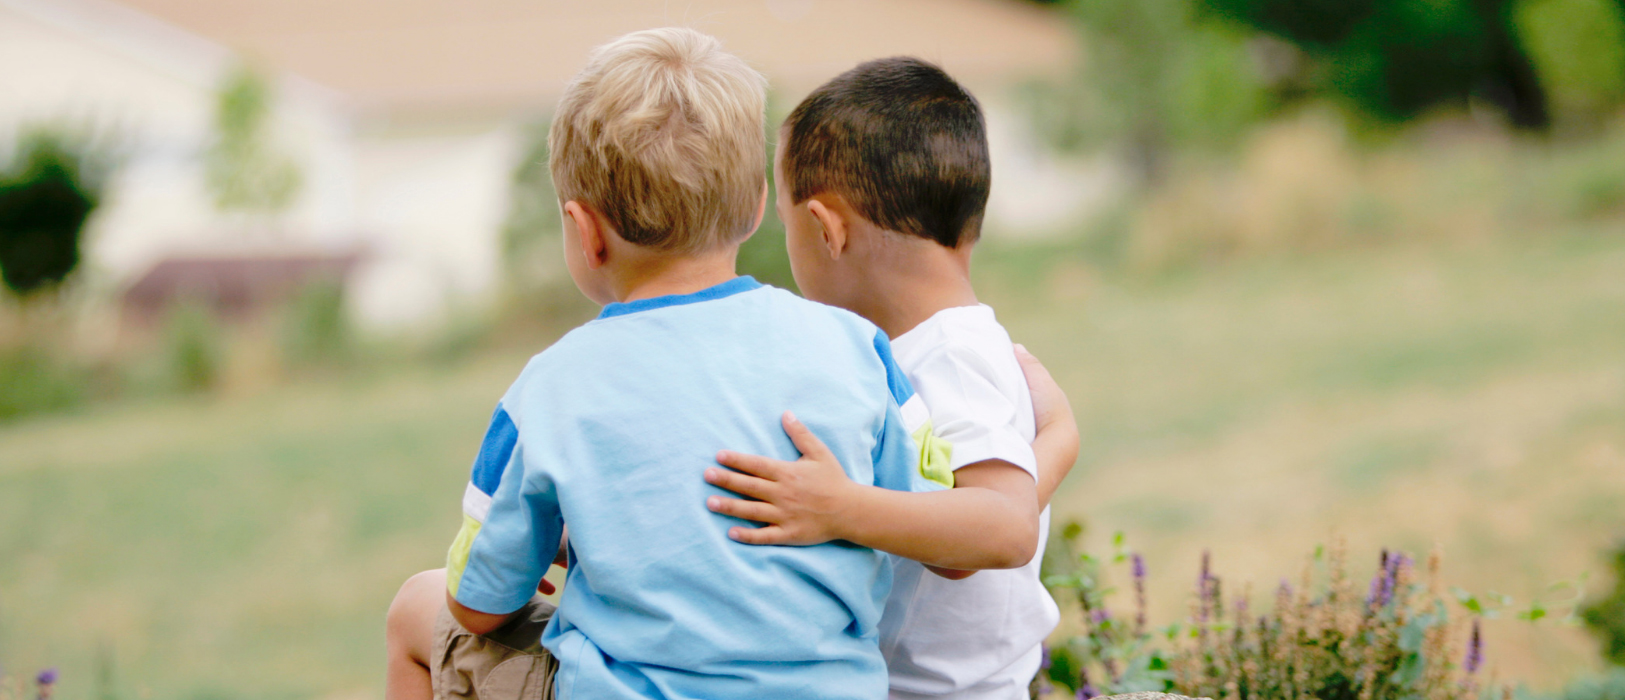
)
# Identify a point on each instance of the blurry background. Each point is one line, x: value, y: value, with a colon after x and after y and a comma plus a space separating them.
x: 1305, y: 267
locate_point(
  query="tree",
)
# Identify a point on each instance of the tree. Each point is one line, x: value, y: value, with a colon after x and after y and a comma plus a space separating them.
x: 1397, y: 58
x: 46, y: 195
x: 1151, y: 77
x: 243, y: 171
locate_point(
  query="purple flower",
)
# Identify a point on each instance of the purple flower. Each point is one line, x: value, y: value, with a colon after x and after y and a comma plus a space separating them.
x: 1475, y: 650
x: 1139, y: 594
x: 1389, y: 576
x: 1101, y: 615
x: 1085, y: 689
x: 46, y: 677
x: 1045, y: 660
x: 1204, y: 589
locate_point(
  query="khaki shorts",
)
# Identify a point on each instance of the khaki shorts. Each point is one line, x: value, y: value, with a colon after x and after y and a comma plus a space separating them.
x: 507, y: 664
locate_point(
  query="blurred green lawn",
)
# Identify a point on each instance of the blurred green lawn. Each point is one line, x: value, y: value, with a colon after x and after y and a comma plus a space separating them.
x: 1466, y: 393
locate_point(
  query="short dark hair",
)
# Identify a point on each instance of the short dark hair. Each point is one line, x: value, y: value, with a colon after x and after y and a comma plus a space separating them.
x: 901, y: 141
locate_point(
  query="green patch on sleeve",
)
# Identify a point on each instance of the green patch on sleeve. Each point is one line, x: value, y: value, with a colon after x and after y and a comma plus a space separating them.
x: 936, y: 456
x: 457, y: 558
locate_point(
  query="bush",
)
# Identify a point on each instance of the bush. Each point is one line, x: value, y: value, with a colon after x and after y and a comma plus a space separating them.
x: 193, y: 347
x: 46, y: 195
x: 1326, y: 641
x: 316, y: 329
x: 1608, y: 686
x: 35, y: 380
x: 1606, y: 618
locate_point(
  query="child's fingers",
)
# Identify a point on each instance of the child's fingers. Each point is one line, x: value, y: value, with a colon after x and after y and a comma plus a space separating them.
x: 809, y: 444
x: 748, y: 510
x: 744, y: 485
x: 755, y: 465
x: 771, y: 534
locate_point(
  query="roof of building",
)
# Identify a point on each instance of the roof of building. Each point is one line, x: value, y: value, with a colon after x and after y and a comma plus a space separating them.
x: 395, y: 56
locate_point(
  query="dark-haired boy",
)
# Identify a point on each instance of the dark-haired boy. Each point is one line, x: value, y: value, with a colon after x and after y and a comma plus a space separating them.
x: 883, y: 176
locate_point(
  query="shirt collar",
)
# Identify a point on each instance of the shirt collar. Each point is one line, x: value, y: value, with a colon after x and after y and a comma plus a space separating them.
x: 743, y: 283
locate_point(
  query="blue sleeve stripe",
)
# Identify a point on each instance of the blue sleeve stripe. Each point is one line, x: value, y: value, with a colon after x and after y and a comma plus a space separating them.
x: 495, y: 452
x: 901, y: 390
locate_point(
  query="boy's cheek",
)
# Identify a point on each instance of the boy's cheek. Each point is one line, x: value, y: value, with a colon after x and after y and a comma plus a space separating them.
x: 803, y: 265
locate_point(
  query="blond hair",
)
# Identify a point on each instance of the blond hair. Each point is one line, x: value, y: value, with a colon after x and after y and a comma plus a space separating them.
x: 662, y: 134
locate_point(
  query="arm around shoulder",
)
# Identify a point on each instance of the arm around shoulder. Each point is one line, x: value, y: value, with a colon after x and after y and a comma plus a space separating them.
x: 988, y: 521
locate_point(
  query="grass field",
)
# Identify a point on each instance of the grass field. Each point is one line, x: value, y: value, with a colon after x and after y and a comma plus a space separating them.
x: 1470, y: 394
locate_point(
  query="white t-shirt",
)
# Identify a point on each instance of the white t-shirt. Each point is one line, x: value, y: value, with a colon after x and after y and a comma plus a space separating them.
x: 979, y: 637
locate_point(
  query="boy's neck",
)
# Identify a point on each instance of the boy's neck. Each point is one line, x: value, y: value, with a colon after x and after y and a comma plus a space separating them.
x: 913, y: 280
x: 646, y: 276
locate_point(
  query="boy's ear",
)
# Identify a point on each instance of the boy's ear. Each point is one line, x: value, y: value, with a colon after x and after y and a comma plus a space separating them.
x: 828, y: 210
x: 590, y: 229
x: 761, y: 210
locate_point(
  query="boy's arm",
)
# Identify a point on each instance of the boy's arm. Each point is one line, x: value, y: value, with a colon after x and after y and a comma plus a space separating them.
x: 1056, y: 443
x: 474, y: 620
x: 988, y: 521
x: 511, y: 527
x: 485, y: 623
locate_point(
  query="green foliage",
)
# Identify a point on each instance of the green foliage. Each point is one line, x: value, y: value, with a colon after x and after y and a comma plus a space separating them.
x: 36, y: 380
x: 47, y: 192
x: 1394, y: 59
x: 1606, y: 618
x: 531, y: 257
x: 243, y: 170
x: 316, y: 328
x: 1578, y: 47
x: 1152, y: 77
x: 1606, y: 686
x: 1321, y: 641
x: 193, y: 348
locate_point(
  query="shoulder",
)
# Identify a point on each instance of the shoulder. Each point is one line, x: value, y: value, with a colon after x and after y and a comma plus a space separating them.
x: 853, y: 329
x: 561, y: 362
x: 964, y: 346
x: 798, y: 306
x: 969, y: 336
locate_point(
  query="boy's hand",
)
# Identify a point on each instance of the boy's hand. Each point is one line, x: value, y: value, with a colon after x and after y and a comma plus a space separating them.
x: 1050, y: 405
x: 1056, y: 443
x: 801, y: 502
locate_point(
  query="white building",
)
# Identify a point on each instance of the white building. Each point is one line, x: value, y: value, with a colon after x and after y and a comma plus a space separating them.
x: 404, y: 115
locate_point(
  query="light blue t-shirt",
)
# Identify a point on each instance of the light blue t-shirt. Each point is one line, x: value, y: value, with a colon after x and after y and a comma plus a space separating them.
x: 610, y: 431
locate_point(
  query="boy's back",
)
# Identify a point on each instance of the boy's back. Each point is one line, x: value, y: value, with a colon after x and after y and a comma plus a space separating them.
x: 610, y: 429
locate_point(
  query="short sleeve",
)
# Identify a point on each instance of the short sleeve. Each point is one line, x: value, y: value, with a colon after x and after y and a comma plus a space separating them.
x: 969, y: 410
x: 511, y: 526
x: 901, y: 461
